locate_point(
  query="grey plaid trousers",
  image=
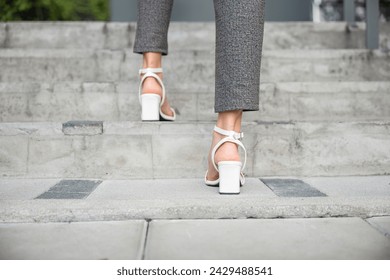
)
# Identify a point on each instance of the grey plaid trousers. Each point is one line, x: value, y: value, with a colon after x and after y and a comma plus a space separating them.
x: 239, y: 40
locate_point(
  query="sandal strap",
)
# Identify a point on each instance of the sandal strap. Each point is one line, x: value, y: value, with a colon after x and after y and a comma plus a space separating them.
x: 231, y: 139
x: 229, y: 133
x: 150, y: 72
x: 153, y: 70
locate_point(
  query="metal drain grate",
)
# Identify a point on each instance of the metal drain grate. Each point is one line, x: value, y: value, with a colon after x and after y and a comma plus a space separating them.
x: 291, y: 188
x: 70, y: 189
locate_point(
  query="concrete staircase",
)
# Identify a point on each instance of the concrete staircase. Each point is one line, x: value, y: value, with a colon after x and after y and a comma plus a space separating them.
x: 69, y: 107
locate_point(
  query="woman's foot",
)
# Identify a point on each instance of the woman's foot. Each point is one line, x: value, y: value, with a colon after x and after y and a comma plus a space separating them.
x: 229, y: 120
x: 150, y: 85
x: 228, y: 151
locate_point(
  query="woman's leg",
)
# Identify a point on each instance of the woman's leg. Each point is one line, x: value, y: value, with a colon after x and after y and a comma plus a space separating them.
x: 239, y: 38
x: 151, y: 40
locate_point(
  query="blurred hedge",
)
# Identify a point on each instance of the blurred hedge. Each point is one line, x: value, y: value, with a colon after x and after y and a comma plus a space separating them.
x: 54, y: 10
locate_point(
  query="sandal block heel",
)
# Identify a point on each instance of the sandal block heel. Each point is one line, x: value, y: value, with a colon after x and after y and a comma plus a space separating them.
x: 151, y: 102
x: 150, y: 107
x: 229, y: 177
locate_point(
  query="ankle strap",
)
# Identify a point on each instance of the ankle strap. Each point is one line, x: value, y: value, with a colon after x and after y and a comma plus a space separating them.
x: 233, y: 137
x: 229, y: 133
x: 153, y: 70
x: 150, y: 72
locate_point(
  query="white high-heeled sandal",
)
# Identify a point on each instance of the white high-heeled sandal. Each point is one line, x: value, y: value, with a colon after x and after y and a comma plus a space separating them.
x: 151, y: 102
x: 231, y: 176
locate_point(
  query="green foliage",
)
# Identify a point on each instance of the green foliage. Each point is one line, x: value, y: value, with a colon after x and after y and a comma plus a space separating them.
x: 54, y: 10
x: 385, y: 3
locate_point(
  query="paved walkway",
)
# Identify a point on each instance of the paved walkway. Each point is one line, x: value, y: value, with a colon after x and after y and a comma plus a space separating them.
x: 272, y: 218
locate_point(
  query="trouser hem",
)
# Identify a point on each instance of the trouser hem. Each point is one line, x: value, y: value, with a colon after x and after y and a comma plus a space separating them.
x: 144, y: 50
x: 233, y: 108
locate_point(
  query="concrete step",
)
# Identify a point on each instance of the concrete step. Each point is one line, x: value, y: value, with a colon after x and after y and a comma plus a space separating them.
x: 58, y: 200
x: 281, y: 102
x: 182, y: 35
x: 194, y: 69
x: 295, y: 217
x: 143, y: 150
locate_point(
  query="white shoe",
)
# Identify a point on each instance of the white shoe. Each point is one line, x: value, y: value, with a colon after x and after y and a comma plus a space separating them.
x: 231, y: 176
x: 151, y: 102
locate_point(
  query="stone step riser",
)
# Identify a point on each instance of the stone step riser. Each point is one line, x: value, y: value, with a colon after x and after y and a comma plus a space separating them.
x: 346, y: 101
x: 194, y: 36
x: 195, y: 70
x: 174, y: 150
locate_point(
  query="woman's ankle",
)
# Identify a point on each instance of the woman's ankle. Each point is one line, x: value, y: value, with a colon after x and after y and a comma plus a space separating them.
x: 230, y: 120
x: 152, y: 60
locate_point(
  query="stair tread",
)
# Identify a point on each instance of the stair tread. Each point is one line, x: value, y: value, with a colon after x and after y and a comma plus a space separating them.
x: 195, y: 68
x: 109, y: 149
x: 194, y: 35
x: 87, y: 53
x: 118, y: 101
x: 190, y: 198
x: 176, y: 128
